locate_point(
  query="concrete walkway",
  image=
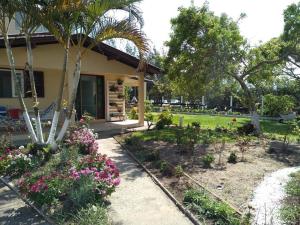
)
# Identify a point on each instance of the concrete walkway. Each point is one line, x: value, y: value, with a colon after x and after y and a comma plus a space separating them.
x: 13, y: 211
x: 138, y: 200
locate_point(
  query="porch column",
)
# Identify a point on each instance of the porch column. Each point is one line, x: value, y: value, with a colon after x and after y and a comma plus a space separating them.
x: 141, y: 95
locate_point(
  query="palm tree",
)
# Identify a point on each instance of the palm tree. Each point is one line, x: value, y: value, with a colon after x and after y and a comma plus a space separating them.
x: 95, y: 21
x: 8, y: 8
x: 29, y: 22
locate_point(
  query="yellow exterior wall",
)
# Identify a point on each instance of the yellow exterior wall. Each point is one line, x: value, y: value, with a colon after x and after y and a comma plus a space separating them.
x: 49, y: 59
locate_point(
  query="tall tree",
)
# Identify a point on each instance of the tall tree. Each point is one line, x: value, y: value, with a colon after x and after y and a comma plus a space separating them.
x: 8, y: 10
x: 291, y: 36
x: 205, y: 48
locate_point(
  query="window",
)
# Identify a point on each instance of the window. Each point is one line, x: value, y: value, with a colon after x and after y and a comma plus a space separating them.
x: 7, y: 84
x: 39, y: 84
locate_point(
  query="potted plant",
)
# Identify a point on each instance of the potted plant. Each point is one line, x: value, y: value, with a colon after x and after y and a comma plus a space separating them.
x: 120, y: 81
x: 113, y: 88
x: 121, y: 96
x: 113, y: 104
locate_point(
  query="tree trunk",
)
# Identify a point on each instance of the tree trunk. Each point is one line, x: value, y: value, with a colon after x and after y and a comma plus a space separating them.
x: 38, y: 125
x: 76, y: 79
x: 18, y: 88
x: 251, y: 104
x: 51, y: 138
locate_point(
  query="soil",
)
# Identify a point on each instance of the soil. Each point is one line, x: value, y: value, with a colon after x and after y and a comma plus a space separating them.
x: 233, y: 182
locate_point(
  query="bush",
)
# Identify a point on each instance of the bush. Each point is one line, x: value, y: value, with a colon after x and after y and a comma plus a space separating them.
x: 207, y: 160
x: 84, y: 139
x: 165, y: 168
x: 178, y: 171
x: 14, y: 162
x: 133, y: 114
x: 276, y: 105
x: 164, y: 119
x: 92, y: 214
x: 246, y: 129
x: 44, y: 189
x: 232, y: 158
x: 204, y: 206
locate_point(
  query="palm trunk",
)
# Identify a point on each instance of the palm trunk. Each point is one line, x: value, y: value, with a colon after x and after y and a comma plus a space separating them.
x: 51, y: 138
x: 18, y: 88
x: 38, y: 127
x: 76, y: 79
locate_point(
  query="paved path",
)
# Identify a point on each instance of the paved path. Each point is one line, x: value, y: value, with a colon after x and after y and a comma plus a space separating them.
x: 138, y: 200
x: 13, y: 211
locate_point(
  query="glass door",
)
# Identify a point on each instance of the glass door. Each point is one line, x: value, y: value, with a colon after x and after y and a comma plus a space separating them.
x: 90, y: 96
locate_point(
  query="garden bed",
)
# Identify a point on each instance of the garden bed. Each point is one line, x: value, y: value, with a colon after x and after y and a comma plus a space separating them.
x: 232, y: 182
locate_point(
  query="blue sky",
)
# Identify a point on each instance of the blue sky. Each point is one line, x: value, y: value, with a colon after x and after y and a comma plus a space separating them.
x: 264, y: 17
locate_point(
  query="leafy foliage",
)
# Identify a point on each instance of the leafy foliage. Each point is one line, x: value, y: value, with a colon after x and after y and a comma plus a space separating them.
x: 206, y: 207
x: 164, y: 119
x: 276, y: 105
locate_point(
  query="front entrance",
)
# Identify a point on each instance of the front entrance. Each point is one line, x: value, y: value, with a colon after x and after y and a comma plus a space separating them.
x: 90, y: 96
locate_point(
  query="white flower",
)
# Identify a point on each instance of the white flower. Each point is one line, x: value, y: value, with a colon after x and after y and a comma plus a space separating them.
x: 21, y: 147
x: 49, y: 122
x: 33, y: 119
x: 9, y: 156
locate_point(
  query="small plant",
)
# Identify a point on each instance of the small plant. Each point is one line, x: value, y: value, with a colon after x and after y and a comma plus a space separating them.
x: 208, y: 208
x: 244, y: 145
x: 246, y: 129
x: 120, y: 81
x: 113, y: 88
x: 219, y: 149
x: 178, y: 171
x: 207, y: 160
x: 121, y: 96
x: 232, y: 158
x: 164, y: 119
x: 133, y: 114
x: 196, y: 124
x: 113, y: 104
x: 165, y: 168
x: 149, y: 117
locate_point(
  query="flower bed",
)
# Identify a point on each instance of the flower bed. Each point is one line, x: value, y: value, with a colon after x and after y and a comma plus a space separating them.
x: 63, y: 183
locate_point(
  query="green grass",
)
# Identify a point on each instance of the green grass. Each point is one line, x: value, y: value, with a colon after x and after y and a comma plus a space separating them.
x: 290, y: 212
x: 271, y: 128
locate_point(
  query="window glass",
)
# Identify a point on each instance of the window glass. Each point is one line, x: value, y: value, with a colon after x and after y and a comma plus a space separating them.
x: 5, y: 84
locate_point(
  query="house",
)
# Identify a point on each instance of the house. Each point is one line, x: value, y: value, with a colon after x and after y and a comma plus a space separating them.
x: 104, y: 74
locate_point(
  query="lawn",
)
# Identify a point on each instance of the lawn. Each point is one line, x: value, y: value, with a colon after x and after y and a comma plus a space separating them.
x: 273, y: 128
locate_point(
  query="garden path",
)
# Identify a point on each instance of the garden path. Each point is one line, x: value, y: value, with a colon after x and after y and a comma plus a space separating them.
x: 268, y: 196
x: 138, y: 200
x: 13, y: 211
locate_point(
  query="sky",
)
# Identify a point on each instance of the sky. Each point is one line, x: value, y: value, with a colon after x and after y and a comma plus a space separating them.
x: 264, y: 17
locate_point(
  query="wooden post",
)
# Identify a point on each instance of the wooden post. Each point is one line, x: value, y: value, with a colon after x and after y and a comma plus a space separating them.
x: 231, y: 103
x: 141, y: 93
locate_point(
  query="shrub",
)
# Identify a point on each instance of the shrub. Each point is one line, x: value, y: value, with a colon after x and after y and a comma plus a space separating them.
x: 232, y: 158
x: 276, y: 105
x: 204, y: 206
x: 92, y: 214
x: 84, y: 139
x: 246, y: 129
x: 207, y: 160
x: 165, y: 168
x: 164, y: 119
x: 44, y: 189
x: 15, y: 163
x: 149, y: 117
x: 244, y: 144
x: 178, y: 171
x: 133, y: 114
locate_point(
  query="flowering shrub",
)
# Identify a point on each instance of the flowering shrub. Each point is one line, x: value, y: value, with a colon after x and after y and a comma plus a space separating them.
x: 43, y: 189
x: 14, y: 163
x: 102, y: 170
x: 95, y: 177
x: 85, y: 139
